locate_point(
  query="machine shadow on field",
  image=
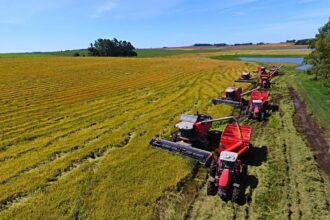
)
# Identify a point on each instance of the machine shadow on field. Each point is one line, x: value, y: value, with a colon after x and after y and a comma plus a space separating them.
x: 254, y: 157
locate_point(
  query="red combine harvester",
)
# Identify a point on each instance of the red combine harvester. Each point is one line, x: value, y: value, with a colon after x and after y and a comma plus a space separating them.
x: 264, y: 76
x: 258, y: 105
x: 234, y: 97
x: 223, y: 162
x: 260, y: 69
x: 245, y: 78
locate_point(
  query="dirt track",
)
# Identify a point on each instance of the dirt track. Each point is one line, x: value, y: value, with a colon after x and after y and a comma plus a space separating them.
x: 313, y: 133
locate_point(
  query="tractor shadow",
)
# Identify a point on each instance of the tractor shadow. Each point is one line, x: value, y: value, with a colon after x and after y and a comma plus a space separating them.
x: 254, y: 157
x: 249, y: 182
x: 271, y: 109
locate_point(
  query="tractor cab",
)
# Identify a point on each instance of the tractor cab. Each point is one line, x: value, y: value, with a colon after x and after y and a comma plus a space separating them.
x: 264, y: 82
x: 190, y: 130
x: 233, y: 93
x: 262, y: 70
x: 228, y: 160
x: 228, y: 173
x: 257, y: 104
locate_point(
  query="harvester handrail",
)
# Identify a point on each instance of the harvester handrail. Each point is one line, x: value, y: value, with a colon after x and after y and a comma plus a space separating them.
x: 244, y: 93
x: 271, y: 73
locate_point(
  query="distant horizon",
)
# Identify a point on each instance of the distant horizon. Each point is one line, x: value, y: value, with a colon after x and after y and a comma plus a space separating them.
x: 163, y: 47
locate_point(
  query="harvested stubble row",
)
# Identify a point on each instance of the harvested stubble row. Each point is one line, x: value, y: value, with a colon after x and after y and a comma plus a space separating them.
x: 75, y: 132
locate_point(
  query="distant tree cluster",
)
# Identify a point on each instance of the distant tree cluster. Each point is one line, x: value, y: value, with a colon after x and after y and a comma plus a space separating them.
x: 203, y: 45
x: 111, y: 48
x: 320, y: 56
x: 210, y: 45
x: 244, y: 44
x: 220, y: 45
x: 291, y: 41
x: 303, y: 41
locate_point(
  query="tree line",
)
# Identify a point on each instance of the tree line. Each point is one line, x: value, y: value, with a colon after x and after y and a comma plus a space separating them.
x: 111, y: 48
x: 320, y: 56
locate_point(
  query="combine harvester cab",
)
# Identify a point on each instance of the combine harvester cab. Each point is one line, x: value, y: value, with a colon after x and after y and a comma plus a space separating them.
x: 224, y: 165
x: 258, y: 105
x: 192, y: 132
x: 232, y: 97
x: 245, y: 78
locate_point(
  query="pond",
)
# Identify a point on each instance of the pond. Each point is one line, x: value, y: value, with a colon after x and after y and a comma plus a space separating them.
x: 295, y: 60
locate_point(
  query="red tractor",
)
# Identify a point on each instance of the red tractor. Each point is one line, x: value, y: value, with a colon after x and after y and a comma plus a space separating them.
x: 264, y: 80
x: 264, y: 76
x: 234, y: 97
x: 258, y: 105
x: 222, y: 160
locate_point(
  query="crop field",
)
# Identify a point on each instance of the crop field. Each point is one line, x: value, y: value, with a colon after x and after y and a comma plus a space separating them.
x: 75, y: 138
x: 75, y: 132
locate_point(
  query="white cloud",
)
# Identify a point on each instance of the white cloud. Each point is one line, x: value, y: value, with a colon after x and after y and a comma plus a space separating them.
x: 103, y: 9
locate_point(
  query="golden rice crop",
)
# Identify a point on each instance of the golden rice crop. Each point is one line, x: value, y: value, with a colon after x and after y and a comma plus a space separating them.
x: 75, y: 131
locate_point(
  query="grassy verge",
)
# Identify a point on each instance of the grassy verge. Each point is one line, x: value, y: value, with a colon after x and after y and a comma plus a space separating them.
x: 314, y: 94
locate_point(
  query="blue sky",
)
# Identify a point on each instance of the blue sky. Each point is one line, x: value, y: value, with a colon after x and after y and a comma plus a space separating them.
x: 49, y: 25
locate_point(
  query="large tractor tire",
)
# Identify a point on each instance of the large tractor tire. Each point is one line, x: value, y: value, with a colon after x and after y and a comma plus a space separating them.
x: 211, y: 188
x: 213, y: 168
x: 262, y: 116
x: 224, y: 194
